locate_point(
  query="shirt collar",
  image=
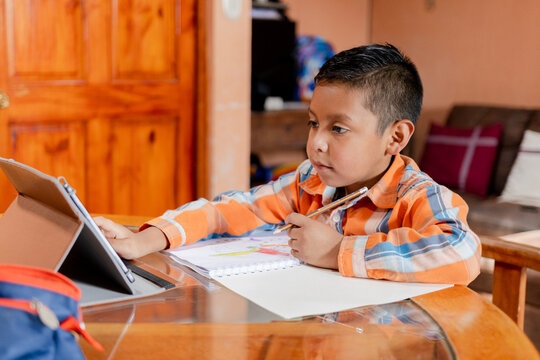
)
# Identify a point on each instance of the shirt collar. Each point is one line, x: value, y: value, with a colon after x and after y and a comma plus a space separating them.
x: 383, y: 194
x: 313, y: 184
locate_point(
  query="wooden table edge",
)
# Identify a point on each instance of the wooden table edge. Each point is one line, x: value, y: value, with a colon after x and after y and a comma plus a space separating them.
x: 475, y: 328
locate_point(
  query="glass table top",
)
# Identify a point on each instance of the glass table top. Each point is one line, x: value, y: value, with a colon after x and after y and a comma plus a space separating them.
x: 221, y: 318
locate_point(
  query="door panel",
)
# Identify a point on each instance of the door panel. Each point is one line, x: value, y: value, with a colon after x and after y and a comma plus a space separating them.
x: 45, y: 39
x: 53, y: 147
x: 136, y: 144
x: 144, y: 40
x: 103, y: 93
x: 30, y: 101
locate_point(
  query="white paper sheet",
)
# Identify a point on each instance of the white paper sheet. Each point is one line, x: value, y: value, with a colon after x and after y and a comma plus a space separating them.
x: 305, y: 290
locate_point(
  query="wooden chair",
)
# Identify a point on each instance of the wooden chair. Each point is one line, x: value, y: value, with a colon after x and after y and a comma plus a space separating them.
x: 513, y: 254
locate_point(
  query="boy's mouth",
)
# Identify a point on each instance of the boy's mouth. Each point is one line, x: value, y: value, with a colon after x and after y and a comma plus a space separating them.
x: 319, y: 166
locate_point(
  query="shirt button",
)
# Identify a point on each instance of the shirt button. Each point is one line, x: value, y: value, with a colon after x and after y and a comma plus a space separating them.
x: 336, y: 218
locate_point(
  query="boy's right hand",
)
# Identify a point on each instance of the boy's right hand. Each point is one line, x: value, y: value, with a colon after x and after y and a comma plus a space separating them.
x: 128, y: 244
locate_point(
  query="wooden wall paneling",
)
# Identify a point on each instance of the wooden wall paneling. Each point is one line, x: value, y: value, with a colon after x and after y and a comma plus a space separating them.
x: 74, y: 101
x: 7, y: 192
x: 42, y: 44
x: 186, y: 183
x: 144, y: 45
x: 51, y: 31
x: 99, y: 149
x: 143, y: 163
x: 97, y: 14
x: 55, y: 148
x: 201, y: 109
x: 108, y: 70
x: 3, y: 51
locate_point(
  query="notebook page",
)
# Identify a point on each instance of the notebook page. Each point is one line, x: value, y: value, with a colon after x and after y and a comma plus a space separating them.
x: 230, y: 256
x: 306, y: 290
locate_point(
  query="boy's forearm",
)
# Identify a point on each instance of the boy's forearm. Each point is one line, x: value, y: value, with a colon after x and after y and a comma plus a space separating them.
x: 150, y: 240
x: 426, y: 264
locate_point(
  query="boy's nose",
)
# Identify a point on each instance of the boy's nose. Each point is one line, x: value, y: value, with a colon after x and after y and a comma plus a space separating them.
x: 320, y: 144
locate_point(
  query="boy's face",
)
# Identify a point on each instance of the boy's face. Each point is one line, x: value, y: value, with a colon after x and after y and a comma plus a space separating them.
x: 343, y: 143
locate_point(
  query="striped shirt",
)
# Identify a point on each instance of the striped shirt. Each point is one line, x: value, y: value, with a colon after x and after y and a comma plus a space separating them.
x: 407, y: 227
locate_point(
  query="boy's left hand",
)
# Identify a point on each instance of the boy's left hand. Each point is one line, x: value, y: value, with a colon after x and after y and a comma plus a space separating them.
x: 313, y: 242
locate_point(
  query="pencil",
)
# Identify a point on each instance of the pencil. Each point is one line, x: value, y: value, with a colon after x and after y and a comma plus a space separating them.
x: 332, y: 205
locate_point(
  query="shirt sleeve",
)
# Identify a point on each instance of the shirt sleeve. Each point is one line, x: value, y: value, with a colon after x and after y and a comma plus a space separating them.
x: 230, y: 214
x: 432, y: 244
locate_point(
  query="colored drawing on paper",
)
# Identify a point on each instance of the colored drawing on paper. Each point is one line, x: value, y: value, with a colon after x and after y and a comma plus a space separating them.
x: 272, y: 252
x: 263, y: 249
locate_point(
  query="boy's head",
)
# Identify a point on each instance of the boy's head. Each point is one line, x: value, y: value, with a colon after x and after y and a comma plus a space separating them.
x: 389, y: 81
x: 362, y: 113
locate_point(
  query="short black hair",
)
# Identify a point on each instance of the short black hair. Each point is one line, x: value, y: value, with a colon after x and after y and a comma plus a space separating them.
x: 390, y: 82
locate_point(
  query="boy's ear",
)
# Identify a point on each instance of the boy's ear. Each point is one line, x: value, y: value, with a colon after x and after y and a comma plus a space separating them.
x: 399, y: 136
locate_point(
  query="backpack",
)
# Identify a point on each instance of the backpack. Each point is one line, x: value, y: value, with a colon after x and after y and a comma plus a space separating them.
x: 39, y: 312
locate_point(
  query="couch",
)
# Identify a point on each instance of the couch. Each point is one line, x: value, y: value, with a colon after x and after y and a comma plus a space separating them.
x: 488, y: 215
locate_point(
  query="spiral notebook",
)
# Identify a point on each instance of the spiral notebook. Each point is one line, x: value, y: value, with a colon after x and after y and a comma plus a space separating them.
x: 261, y: 269
x: 232, y: 256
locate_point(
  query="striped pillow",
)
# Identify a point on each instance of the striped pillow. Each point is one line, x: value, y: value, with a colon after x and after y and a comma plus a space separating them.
x: 523, y: 184
x: 462, y: 158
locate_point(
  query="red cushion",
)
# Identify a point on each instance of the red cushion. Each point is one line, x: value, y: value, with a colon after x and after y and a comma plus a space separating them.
x: 461, y: 158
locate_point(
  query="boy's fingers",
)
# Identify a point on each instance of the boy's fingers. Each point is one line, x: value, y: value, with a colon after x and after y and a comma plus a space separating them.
x: 104, y: 223
x: 109, y: 234
x: 111, y: 229
x: 99, y: 219
x: 294, y: 233
x: 295, y: 253
x: 296, y: 219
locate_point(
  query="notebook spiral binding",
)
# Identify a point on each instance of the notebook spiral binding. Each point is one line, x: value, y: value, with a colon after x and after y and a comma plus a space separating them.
x: 246, y: 269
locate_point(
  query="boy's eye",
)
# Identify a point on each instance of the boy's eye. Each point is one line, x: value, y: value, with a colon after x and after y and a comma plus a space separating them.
x: 339, y: 129
x: 312, y: 124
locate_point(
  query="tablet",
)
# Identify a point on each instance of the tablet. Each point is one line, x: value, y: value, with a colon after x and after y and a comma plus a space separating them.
x: 47, y: 226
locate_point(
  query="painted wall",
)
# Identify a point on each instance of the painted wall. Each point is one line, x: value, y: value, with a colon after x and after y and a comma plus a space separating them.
x: 229, y: 72
x: 480, y: 52
x: 344, y: 23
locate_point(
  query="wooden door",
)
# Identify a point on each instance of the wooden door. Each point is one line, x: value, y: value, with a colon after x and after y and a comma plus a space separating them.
x: 103, y: 93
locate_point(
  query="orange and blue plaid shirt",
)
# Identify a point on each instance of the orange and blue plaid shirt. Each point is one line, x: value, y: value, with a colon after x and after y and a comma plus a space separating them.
x: 407, y: 227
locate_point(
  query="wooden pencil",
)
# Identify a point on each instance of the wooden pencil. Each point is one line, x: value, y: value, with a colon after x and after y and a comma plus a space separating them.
x: 325, y: 208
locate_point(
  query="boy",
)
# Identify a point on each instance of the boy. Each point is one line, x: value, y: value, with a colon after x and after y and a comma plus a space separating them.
x: 362, y: 114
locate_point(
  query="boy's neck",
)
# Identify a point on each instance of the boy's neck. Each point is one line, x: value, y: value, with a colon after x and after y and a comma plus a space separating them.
x: 352, y: 188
